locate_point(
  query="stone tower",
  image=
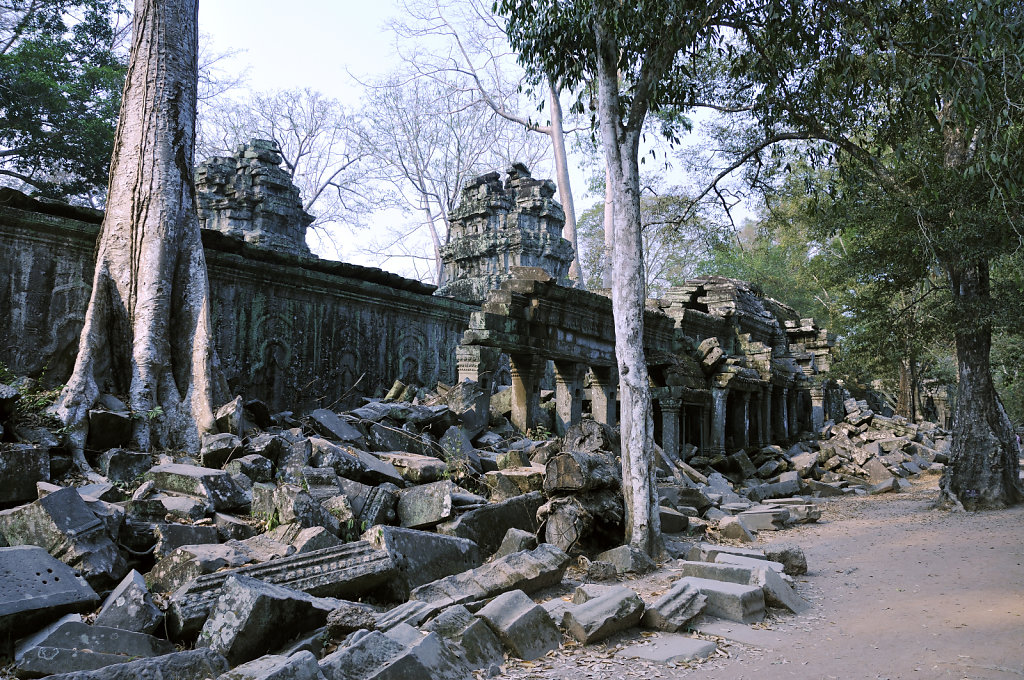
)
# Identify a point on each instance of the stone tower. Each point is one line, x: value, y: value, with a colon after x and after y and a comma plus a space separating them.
x: 498, y: 226
x: 249, y: 196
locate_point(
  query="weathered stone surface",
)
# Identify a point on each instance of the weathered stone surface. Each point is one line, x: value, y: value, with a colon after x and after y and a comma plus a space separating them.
x: 218, y: 449
x: 121, y: 465
x: 763, y: 518
x: 189, y: 665
x: 400, y: 653
x: 627, y: 560
x: 172, y: 536
x: 251, y: 618
x: 426, y: 505
x: 270, y: 446
x: 349, y: 617
x: 329, y: 424
x: 457, y: 446
x: 528, y: 571
x: 706, y: 552
x: 792, y: 557
x: 345, y: 571
x: 732, y: 601
x: 304, y: 540
x: 192, y: 561
x: 216, y: 486
x: 36, y: 587
x: 512, y: 482
x: 76, y: 646
x: 371, y: 504
x: 21, y: 466
x: 231, y: 418
x: 254, y: 466
x: 130, y: 607
x: 674, y: 609
x: 878, y: 473
x: 614, y: 610
x: 421, y: 557
x: 672, y: 521
x: 516, y: 540
x: 731, y: 528
x: 299, y: 666
x: 746, y: 561
x: 413, y: 612
x: 670, y: 649
x: 777, y: 592
x: 9, y: 397
x: 487, y: 526
x: 522, y: 625
x: 64, y: 525
x: 414, y: 467
x: 480, y: 646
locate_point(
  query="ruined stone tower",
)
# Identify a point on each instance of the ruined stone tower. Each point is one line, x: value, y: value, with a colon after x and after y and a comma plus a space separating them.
x: 500, y: 226
x: 250, y: 197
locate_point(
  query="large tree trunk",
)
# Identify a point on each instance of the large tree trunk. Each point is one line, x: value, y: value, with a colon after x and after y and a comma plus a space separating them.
x: 643, y: 529
x: 983, y: 470
x: 562, y: 177
x: 147, y: 328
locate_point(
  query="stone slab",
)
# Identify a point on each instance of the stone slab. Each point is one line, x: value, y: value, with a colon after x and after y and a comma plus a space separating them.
x: 35, y: 587
x: 731, y: 601
x: 421, y: 557
x: 488, y: 525
x: 77, y: 646
x: 670, y: 648
x: 189, y: 665
x: 523, y: 626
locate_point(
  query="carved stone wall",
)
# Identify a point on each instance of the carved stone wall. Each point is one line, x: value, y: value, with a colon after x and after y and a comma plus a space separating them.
x: 294, y: 331
x: 498, y: 226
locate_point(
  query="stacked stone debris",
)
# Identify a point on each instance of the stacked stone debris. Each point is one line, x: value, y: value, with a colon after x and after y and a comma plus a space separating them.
x: 399, y: 539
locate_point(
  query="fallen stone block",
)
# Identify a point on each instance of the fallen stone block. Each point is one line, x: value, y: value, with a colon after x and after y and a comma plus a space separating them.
x: 251, y: 618
x: 254, y: 466
x: 824, y: 489
x: 216, y: 486
x: 21, y: 466
x: 706, y: 552
x: 426, y: 505
x: 512, y: 482
x: 329, y: 424
x: 731, y: 601
x: 516, y: 540
x: 171, y: 536
x: 345, y: 571
x: 613, y: 611
x: 108, y: 429
x: 63, y: 524
x: 36, y: 587
x: 627, y: 560
x: 192, y: 561
x: 480, y: 646
x: 301, y: 665
x: 413, y: 613
x: 421, y: 557
x: 77, y: 646
x: 231, y: 417
x: 528, y: 571
x: 457, y: 446
x: 792, y: 557
x: 670, y: 649
x: 487, y: 526
x: 304, y: 540
x: 218, y: 449
x: 9, y: 397
x: 752, y: 562
x: 395, y: 655
x: 270, y: 446
x: 731, y: 528
x: 673, y: 521
x: 780, y: 489
x: 764, y: 518
x: 189, y: 665
x: 522, y: 625
x: 371, y: 504
x: 130, y: 607
x: 778, y: 593
x: 674, y: 609
x: 348, y: 617
x: 877, y: 472
x: 416, y: 468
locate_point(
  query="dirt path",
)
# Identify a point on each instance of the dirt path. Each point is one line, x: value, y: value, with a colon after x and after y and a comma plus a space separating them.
x: 898, y: 590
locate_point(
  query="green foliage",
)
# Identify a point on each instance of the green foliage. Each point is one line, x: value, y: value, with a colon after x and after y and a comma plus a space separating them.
x: 62, y: 76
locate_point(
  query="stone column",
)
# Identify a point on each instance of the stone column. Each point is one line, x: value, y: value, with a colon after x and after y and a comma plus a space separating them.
x: 779, y: 419
x: 568, y: 395
x: 817, y: 408
x: 744, y: 416
x: 670, y: 428
x: 603, y: 387
x: 791, y: 413
x: 525, y: 390
x: 716, y: 444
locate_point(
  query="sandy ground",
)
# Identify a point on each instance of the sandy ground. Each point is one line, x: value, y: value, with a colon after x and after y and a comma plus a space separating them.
x: 898, y: 590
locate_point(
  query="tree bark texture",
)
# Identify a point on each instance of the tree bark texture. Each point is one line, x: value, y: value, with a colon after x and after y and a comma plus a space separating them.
x: 622, y: 142
x: 570, y: 521
x: 147, y: 330
x: 983, y: 470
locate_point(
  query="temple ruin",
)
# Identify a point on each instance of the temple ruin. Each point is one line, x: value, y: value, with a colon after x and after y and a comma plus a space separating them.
x: 730, y: 368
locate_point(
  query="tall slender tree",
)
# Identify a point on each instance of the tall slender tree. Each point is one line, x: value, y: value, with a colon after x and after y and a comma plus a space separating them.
x: 147, y: 332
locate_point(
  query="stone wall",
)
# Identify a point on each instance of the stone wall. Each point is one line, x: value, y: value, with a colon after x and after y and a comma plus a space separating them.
x: 294, y: 331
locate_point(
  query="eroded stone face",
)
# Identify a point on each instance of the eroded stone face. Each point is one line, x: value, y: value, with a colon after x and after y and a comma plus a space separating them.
x: 498, y: 226
x: 249, y: 196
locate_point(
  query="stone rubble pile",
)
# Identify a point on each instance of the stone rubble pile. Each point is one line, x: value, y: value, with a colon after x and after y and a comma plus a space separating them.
x: 399, y: 539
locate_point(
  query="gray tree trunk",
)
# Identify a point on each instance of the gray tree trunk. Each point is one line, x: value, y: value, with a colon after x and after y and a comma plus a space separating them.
x: 147, y: 332
x: 557, y: 134
x: 622, y: 143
